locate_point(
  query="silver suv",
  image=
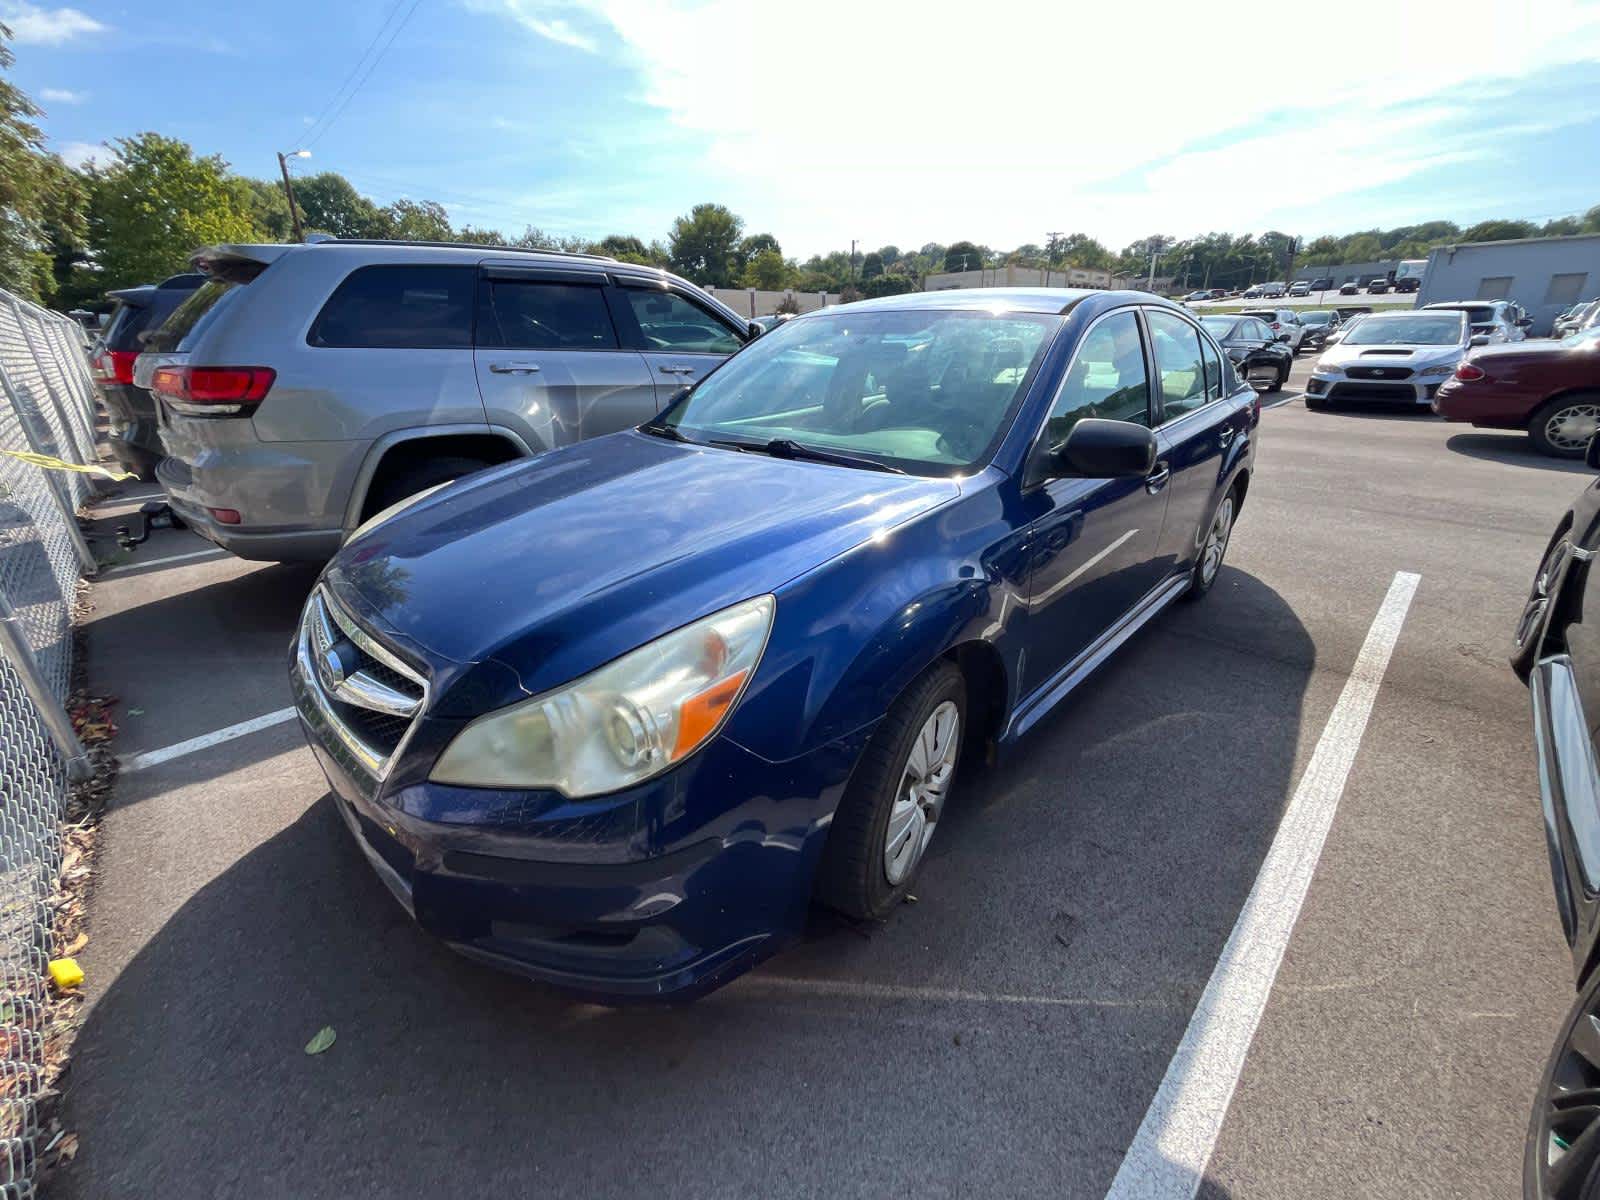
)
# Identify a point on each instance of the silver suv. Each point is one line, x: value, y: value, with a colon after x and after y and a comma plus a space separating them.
x: 304, y: 388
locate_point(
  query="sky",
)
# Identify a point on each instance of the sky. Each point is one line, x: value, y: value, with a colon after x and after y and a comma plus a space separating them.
x: 823, y: 121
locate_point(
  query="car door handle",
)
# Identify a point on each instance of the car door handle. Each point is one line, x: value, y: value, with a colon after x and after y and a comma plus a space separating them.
x: 513, y: 368
x: 1225, y: 437
x: 676, y: 370
x: 1157, y: 479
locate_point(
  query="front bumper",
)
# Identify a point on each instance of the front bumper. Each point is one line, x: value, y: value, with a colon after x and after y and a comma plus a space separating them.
x: 665, y: 890
x: 1418, y: 391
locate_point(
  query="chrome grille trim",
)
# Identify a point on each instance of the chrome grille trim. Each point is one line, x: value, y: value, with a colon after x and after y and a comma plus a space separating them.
x: 322, y: 624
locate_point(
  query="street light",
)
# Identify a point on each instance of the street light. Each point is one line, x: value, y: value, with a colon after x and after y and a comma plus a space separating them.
x: 294, y: 212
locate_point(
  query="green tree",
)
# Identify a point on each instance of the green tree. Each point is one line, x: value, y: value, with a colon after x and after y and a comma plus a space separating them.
x: 1498, y: 231
x: 887, y: 285
x: 480, y: 237
x: 622, y: 246
x: 871, y: 265
x: 263, y: 199
x: 703, y: 244
x: 329, y: 203
x: 156, y: 203
x: 767, y: 271
x: 964, y: 256
x: 417, y: 221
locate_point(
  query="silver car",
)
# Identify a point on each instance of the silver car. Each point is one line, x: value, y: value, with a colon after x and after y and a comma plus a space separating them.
x: 1497, y: 320
x: 1393, y: 357
x: 304, y: 388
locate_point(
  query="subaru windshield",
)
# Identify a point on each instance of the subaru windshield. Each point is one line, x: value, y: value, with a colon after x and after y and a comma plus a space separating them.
x: 1407, y: 329
x: 930, y: 392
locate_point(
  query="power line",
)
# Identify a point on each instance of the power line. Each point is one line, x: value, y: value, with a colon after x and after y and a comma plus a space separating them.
x: 359, y: 63
x: 335, y: 115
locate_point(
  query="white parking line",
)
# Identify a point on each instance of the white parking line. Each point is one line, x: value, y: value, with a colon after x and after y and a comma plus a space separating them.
x: 1168, y: 1157
x: 167, y: 753
x: 170, y: 558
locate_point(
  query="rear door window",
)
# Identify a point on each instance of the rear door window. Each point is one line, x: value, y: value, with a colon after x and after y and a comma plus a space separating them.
x: 671, y: 322
x: 1178, y: 359
x: 399, y: 308
x: 521, y: 315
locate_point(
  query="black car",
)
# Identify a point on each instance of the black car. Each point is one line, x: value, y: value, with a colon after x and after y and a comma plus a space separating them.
x: 1409, y: 283
x: 1556, y: 650
x: 1324, y: 284
x: 1256, y: 351
x: 1346, y: 311
x: 135, y: 437
x: 1350, y: 289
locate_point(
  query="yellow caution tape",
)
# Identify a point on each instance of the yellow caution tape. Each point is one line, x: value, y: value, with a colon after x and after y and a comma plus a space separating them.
x: 50, y: 463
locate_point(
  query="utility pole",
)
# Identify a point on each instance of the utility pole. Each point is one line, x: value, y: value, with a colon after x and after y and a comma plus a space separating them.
x: 852, y: 260
x: 288, y: 191
x: 1051, y: 247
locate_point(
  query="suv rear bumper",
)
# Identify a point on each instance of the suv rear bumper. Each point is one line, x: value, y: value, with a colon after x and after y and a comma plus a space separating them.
x: 273, y: 545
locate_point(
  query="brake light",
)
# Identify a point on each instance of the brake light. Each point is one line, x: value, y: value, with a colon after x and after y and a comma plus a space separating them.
x: 114, y: 366
x: 1274, y: 327
x: 213, y: 391
x: 1467, y: 373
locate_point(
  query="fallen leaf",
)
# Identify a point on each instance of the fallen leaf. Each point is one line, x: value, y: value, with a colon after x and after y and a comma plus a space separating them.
x: 324, y: 1038
x: 136, y: 712
x: 68, y: 1149
x: 77, y: 943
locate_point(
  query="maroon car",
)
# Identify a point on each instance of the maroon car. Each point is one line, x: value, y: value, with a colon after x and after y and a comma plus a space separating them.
x: 1551, y: 389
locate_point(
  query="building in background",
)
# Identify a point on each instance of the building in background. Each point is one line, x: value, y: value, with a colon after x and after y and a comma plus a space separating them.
x: 758, y: 302
x: 1074, y: 277
x: 1544, y: 275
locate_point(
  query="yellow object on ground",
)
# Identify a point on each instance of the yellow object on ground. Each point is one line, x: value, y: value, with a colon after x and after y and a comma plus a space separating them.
x: 65, y: 972
x: 50, y: 463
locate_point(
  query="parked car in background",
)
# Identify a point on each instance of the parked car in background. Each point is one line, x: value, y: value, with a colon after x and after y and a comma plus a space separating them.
x: 1352, y: 288
x: 1378, y: 286
x: 1348, y: 311
x: 1408, y: 283
x: 1497, y: 320
x: 631, y: 750
x: 1318, y: 323
x: 1257, y: 353
x: 1556, y: 651
x: 1394, y: 358
x: 1549, y: 388
x: 1573, y: 319
x: 1273, y: 290
x: 1300, y: 287
x: 311, y: 386
x: 1253, y: 291
x: 1219, y: 293
x: 1203, y: 294
x: 1322, y: 284
x: 134, y: 433
x: 1284, y: 323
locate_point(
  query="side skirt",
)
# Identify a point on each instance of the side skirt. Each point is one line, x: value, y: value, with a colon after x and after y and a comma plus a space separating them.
x: 1048, y: 694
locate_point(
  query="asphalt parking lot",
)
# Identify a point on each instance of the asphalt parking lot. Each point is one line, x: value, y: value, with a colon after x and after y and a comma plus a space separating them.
x: 1005, y: 1034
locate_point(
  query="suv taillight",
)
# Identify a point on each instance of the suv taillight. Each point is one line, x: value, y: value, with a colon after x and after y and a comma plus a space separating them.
x: 114, y: 366
x: 213, y: 391
x: 1274, y: 327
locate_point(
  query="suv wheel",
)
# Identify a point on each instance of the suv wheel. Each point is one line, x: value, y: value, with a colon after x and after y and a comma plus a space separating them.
x: 1561, y: 1160
x: 893, y: 803
x: 418, y: 477
x: 1564, y: 426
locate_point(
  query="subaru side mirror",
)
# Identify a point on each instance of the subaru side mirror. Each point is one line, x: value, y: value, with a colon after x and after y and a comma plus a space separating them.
x: 1097, y: 448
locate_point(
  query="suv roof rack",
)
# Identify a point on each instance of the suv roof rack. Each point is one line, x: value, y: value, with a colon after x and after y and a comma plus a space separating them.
x: 459, y: 246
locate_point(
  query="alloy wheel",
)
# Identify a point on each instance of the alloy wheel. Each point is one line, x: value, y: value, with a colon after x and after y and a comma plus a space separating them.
x: 1564, y: 1148
x: 1217, y: 540
x: 1572, y: 427
x: 920, y: 797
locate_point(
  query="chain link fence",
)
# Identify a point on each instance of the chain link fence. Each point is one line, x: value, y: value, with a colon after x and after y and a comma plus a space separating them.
x: 46, y: 407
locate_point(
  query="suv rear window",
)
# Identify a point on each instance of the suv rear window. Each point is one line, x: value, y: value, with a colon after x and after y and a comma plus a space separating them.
x: 399, y: 308
x: 127, y: 322
x: 188, y: 315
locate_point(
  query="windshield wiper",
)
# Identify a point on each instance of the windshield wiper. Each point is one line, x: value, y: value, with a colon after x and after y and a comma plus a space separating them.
x: 791, y: 449
x: 671, y: 432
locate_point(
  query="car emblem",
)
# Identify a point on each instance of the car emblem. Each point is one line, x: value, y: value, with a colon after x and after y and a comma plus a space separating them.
x: 1378, y: 371
x: 332, y: 669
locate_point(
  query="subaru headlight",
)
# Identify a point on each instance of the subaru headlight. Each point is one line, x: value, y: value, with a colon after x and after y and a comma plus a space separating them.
x: 624, y: 723
x: 1437, y: 371
x: 1324, y: 367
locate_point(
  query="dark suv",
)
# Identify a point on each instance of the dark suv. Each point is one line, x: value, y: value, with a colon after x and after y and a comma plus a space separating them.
x: 135, y: 436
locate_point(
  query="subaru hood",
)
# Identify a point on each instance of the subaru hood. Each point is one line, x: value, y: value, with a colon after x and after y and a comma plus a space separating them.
x: 1412, y: 357
x: 554, y: 565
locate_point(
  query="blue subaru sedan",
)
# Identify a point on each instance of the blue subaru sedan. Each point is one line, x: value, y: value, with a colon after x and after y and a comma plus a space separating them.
x: 616, y: 716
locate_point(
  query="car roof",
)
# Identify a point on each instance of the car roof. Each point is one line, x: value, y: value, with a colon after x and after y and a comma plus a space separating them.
x: 1458, y: 304
x: 1032, y: 300
x: 388, y: 250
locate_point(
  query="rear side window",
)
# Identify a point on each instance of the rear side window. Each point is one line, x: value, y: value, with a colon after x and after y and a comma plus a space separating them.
x: 125, y: 325
x: 670, y: 322
x: 1213, y: 370
x: 1177, y: 347
x: 521, y: 315
x: 399, y: 308
x: 186, y: 318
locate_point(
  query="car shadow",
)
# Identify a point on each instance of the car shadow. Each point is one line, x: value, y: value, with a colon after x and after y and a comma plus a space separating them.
x: 1514, y: 449
x: 1375, y: 411
x: 1000, y: 1036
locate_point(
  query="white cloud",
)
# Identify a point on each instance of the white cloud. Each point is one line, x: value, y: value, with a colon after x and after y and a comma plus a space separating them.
x: 62, y: 96
x: 899, y: 120
x: 76, y: 154
x: 32, y: 25
x: 541, y: 17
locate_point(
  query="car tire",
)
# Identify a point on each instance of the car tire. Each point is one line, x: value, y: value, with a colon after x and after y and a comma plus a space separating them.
x: 861, y: 874
x: 1545, y: 427
x: 1560, y: 1106
x: 1207, y: 566
x: 1277, y: 384
x: 419, y: 477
